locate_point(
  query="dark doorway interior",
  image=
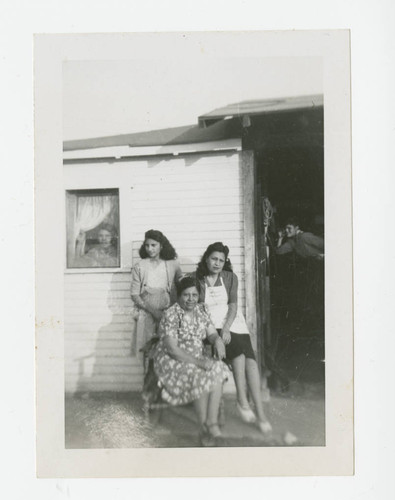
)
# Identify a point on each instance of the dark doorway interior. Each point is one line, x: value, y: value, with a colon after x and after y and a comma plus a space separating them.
x: 289, y: 153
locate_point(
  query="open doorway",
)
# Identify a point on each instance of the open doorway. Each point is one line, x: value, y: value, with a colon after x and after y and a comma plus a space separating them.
x: 289, y: 157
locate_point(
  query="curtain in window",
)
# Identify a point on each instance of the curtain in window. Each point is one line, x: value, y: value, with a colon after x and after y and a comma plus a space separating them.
x: 84, y: 214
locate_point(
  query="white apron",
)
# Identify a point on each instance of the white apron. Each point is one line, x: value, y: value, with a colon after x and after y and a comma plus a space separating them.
x: 216, y: 300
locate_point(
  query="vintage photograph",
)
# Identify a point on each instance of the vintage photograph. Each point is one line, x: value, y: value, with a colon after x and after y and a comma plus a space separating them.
x: 194, y: 276
x: 194, y: 299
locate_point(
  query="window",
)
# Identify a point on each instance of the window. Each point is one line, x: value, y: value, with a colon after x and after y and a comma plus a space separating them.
x: 92, y: 225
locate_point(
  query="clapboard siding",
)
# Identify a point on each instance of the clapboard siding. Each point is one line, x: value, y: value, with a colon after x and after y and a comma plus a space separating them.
x: 126, y: 384
x: 195, y: 211
x: 191, y: 202
x: 194, y: 201
x: 100, y: 343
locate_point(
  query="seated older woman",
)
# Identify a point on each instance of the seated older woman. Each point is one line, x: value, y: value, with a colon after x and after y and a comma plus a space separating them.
x: 185, y: 373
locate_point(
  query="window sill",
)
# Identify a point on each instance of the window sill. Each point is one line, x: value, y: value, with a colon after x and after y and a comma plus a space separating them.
x: 97, y: 270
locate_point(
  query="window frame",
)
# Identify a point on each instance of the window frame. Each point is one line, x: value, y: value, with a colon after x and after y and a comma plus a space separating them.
x: 94, y: 192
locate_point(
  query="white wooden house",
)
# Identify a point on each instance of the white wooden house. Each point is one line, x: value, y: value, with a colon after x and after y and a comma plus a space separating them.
x: 197, y: 186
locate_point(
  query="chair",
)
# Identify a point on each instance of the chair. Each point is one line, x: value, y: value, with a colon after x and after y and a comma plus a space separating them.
x: 151, y: 393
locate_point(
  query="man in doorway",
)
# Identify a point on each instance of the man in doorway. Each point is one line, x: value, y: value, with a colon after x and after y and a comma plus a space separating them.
x: 298, y: 307
x: 303, y: 244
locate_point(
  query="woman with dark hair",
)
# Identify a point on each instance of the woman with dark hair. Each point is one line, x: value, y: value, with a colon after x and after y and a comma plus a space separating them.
x: 166, y: 250
x: 184, y: 372
x: 153, y: 282
x: 219, y: 293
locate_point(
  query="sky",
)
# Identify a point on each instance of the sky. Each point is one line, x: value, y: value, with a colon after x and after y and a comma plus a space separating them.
x: 103, y: 98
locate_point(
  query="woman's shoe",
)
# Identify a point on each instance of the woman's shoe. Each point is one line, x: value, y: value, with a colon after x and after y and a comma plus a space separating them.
x: 205, y: 438
x: 215, y: 434
x: 214, y: 430
x: 265, y: 426
x: 246, y: 414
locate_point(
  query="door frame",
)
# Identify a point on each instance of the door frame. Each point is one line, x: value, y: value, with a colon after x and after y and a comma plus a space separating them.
x: 251, y: 255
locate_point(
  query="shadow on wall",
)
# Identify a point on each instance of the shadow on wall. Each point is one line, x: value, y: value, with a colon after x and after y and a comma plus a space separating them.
x: 115, y: 365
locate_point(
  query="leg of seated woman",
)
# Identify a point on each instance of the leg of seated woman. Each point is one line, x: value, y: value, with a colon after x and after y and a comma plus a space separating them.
x: 214, y: 400
x: 254, y: 386
x: 200, y: 406
x: 239, y: 374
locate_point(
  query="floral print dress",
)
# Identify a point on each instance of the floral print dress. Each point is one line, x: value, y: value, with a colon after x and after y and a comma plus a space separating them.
x: 183, y: 382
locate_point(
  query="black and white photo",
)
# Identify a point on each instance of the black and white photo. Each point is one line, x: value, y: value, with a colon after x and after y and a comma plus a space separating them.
x: 195, y: 265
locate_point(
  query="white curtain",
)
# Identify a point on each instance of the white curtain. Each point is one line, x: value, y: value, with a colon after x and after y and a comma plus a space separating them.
x: 85, y: 213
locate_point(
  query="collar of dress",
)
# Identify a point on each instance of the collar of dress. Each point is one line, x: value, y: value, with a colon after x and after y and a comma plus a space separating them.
x: 218, y: 278
x: 180, y: 311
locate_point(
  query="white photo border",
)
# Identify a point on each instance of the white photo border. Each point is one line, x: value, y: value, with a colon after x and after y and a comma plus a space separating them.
x: 336, y: 458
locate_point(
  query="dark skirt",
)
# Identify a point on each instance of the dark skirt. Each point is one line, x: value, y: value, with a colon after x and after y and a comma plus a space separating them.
x: 240, y: 343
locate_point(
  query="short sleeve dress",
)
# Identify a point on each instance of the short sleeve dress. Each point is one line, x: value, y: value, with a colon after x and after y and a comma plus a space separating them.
x: 183, y: 382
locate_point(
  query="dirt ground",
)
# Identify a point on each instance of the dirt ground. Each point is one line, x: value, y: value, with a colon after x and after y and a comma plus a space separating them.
x: 117, y: 421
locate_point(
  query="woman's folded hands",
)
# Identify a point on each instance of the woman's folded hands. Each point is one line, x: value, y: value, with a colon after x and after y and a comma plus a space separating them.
x: 205, y: 363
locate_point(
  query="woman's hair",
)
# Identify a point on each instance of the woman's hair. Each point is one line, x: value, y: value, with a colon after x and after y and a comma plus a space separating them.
x: 187, y: 282
x: 202, y: 269
x: 167, y: 251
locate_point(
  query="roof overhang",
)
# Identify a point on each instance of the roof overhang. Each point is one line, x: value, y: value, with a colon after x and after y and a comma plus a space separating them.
x: 244, y: 110
x: 116, y: 153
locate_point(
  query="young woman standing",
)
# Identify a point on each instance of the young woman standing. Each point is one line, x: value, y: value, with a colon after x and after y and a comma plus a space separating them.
x: 153, y: 279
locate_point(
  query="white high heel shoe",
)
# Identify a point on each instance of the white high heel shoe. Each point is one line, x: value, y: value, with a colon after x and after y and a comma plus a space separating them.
x: 265, y: 427
x: 246, y: 414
